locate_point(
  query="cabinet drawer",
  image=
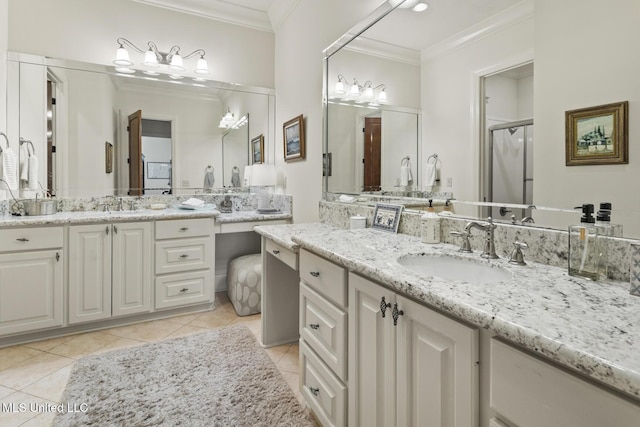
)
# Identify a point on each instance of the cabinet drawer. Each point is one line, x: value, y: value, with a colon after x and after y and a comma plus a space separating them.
x: 173, y: 256
x: 28, y: 239
x: 181, y: 289
x: 531, y: 392
x: 324, y: 393
x: 324, y: 276
x: 324, y: 328
x: 283, y: 254
x: 178, y: 228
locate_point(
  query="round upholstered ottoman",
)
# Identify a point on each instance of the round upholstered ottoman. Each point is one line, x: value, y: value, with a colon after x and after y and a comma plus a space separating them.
x: 244, y: 283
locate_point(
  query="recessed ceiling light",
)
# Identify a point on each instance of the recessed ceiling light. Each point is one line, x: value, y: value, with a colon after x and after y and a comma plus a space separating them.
x: 421, y: 7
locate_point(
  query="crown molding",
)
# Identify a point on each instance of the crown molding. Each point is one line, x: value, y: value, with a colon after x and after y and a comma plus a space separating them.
x: 280, y: 10
x: 384, y: 50
x: 219, y: 11
x: 492, y: 25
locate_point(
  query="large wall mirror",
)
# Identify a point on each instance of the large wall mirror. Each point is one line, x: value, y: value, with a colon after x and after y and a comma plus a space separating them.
x: 88, y: 124
x: 482, y: 125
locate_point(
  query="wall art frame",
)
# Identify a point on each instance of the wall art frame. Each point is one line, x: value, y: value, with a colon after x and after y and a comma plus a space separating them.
x: 294, y: 141
x: 257, y: 149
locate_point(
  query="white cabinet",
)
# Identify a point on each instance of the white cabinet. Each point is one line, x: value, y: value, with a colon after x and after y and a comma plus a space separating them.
x: 109, y: 270
x: 408, y: 365
x: 184, y: 257
x: 31, y: 279
x: 529, y: 392
x: 323, y: 338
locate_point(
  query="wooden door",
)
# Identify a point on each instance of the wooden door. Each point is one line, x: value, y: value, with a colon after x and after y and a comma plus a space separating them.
x: 372, y: 153
x: 131, y: 274
x: 89, y: 272
x: 135, y: 154
x: 437, y: 369
x: 372, y: 350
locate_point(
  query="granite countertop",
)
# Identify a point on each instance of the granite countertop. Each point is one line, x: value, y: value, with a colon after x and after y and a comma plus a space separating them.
x: 282, y: 234
x: 89, y: 217
x: 590, y: 327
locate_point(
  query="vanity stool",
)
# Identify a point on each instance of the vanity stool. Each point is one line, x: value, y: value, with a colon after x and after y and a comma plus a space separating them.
x: 244, y: 283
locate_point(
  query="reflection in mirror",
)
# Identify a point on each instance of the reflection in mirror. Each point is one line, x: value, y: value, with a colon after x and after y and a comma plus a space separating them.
x: 235, y: 152
x: 88, y: 106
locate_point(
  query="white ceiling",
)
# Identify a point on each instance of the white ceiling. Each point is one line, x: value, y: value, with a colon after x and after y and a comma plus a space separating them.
x: 441, y: 20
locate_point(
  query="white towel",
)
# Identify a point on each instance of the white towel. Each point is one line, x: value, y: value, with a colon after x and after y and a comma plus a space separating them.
x: 24, y: 163
x: 10, y: 168
x: 430, y: 172
x: 405, y: 175
x: 33, y: 172
x: 192, y: 201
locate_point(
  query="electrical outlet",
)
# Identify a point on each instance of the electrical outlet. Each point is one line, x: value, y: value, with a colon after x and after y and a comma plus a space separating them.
x: 449, y: 182
x: 185, y: 182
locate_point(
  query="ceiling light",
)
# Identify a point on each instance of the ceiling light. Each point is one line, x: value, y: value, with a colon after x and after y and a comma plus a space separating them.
x: 421, y: 7
x: 153, y: 58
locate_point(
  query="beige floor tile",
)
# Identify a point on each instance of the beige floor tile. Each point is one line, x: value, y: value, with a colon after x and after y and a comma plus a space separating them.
x: 122, y: 331
x: 19, y: 409
x: 214, y: 319
x: 42, y: 420
x: 46, y: 345
x: 118, y: 344
x: 152, y: 331
x: 184, y: 319
x: 32, y: 370
x: 187, y: 330
x: 11, y: 356
x: 51, y: 386
x: 276, y: 353
x: 290, y: 360
x: 83, y: 344
x: 5, y: 391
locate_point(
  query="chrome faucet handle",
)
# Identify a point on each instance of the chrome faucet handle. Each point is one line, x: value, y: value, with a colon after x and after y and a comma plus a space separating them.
x: 516, y: 256
x: 466, y: 244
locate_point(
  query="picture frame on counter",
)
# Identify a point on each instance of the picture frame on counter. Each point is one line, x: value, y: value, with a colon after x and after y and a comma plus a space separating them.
x: 386, y: 217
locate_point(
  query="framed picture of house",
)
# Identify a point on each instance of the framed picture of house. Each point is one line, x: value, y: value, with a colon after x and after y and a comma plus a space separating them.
x: 386, y: 217
x: 598, y: 135
x: 257, y: 149
x: 293, y: 133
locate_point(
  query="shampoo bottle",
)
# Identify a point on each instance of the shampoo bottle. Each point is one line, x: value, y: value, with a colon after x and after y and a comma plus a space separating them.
x: 584, y: 253
x: 430, y: 225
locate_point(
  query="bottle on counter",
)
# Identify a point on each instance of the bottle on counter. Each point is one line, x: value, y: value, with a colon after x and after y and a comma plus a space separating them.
x: 430, y: 225
x: 584, y: 246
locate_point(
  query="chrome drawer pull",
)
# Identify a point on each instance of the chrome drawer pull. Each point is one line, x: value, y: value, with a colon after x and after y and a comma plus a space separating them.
x: 314, y: 273
x: 314, y: 326
x: 275, y: 252
x: 184, y: 228
x: 22, y: 239
x: 183, y: 256
x: 184, y: 289
x: 314, y: 390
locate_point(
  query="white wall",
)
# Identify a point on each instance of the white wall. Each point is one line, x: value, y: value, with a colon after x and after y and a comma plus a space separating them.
x: 87, y: 31
x: 310, y: 27
x: 450, y: 101
x: 577, y: 68
x: 4, y: 44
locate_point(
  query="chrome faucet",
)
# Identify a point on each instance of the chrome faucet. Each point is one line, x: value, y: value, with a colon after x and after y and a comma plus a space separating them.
x: 487, y: 226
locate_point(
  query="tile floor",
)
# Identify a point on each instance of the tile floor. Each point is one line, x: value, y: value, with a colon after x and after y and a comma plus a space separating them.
x: 36, y: 373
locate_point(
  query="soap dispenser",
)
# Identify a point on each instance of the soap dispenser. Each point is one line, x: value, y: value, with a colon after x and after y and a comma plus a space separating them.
x: 430, y: 225
x: 584, y: 253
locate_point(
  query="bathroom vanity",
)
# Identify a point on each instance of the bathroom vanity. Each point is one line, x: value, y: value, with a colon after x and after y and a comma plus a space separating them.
x: 381, y: 344
x: 82, y: 270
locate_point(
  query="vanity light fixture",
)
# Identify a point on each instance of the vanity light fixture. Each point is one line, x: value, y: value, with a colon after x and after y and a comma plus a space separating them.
x: 153, y: 58
x: 227, y: 120
x: 360, y: 94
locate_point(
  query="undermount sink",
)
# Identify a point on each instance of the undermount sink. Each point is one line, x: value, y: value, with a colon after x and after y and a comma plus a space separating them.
x: 452, y: 268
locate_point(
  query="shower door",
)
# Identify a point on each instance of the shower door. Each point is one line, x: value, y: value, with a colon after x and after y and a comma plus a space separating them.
x: 511, y: 168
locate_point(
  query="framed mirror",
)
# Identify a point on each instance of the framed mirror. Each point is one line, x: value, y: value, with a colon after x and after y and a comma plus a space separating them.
x: 70, y: 110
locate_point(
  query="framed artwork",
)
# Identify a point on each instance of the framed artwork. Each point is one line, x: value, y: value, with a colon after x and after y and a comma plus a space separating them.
x: 293, y: 133
x: 326, y: 164
x: 598, y: 135
x: 108, y: 157
x: 386, y: 217
x: 257, y: 149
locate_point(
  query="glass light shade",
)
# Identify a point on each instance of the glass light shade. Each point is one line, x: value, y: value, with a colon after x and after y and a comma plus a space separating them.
x: 339, y: 89
x: 201, y: 67
x: 382, y: 96
x: 122, y: 57
x: 420, y: 7
x: 150, y: 59
x: 355, y: 90
x: 176, y: 62
x: 368, y: 93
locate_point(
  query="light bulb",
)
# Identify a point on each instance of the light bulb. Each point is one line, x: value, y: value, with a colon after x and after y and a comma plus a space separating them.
x: 122, y: 57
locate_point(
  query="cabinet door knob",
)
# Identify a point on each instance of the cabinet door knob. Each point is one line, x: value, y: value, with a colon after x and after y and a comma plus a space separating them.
x: 115, y: 230
x: 383, y: 306
x: 314, y: 390
x: 57, y: 256
x: 183, y: 256
x: 396, y: 313
x: 106, y: 229
x: 22, y: 239
x: 275, y: 252
x: 314, y: 326
x: 314, y: 273
x: 184, y: 228
x: 184, y: 289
